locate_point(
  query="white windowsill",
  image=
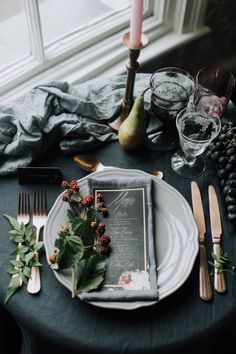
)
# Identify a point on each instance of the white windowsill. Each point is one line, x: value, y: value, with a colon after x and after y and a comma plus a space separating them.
x: 79, y: 68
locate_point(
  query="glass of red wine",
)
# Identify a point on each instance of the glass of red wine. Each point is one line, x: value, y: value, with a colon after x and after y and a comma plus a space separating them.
x: 214, y: 87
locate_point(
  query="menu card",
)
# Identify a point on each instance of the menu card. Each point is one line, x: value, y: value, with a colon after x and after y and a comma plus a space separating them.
x: 126, y: 226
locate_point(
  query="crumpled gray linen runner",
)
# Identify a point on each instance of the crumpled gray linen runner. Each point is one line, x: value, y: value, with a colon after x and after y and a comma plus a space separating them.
x: 75, y: 117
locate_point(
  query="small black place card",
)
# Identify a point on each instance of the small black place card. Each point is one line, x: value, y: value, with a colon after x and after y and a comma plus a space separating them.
x: 126, y: 226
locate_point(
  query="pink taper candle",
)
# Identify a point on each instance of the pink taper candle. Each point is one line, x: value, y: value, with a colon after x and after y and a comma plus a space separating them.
x: 136, y: 23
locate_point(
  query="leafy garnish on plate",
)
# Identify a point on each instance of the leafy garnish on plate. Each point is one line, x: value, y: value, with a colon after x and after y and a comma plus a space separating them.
x: 82, y: 245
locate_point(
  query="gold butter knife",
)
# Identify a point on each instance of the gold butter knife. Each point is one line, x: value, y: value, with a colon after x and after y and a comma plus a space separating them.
x: 91, y: 164
x: 216, y: 231
x: 205, y: 290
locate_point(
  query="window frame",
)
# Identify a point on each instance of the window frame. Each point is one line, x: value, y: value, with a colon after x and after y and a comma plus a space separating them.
x: 167, y: 23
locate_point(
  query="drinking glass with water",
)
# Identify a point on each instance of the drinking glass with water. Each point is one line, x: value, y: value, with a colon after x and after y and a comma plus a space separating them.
x: 196, y: 131
x: 171, y: 89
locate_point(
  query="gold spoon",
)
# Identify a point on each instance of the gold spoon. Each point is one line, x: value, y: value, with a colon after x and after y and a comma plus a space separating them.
x: 91, y: 164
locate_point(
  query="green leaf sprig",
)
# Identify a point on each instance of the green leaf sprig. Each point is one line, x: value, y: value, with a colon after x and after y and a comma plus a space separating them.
x: 82, y: 245
x: 25, y: 255
x: 222, y: 263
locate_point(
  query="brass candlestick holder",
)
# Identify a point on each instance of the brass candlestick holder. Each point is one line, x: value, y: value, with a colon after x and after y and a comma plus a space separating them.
x: 132, y: 66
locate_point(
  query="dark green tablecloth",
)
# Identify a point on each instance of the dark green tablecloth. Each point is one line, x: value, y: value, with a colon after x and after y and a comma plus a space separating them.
x: 52, y: 322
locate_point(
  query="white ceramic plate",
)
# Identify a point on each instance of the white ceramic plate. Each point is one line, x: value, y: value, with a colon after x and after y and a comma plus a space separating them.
x: 175, y: 231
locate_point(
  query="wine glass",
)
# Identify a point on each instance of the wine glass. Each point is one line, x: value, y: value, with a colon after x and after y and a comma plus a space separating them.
x: 196, y: 131
x: 214, y: 86
x: 171, y: 89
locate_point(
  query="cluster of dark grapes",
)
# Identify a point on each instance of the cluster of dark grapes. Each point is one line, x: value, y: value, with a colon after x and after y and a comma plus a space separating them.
x: 222, y: 151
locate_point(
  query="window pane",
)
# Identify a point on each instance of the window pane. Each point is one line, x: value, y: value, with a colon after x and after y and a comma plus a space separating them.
x: 60, y: 17
x: 14, y: 39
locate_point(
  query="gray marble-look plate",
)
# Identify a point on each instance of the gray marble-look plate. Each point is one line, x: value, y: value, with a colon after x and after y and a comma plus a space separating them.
x: 176, y: 236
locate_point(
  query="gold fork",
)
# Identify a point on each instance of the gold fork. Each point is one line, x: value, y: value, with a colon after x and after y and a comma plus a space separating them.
x: 23, y: 213
x: 39, y: 218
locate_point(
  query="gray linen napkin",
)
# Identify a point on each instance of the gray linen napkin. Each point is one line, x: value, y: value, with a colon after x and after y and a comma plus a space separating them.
x: 76, y: 118
x: 124, y: 202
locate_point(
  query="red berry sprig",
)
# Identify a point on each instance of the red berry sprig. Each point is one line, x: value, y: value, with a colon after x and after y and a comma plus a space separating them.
x: 101, y: 207
x: 73, y: 197
x: 103, y: 239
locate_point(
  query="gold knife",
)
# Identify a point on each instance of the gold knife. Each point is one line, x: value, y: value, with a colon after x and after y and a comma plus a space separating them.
x: 216, y: 231
x: 205, y: 290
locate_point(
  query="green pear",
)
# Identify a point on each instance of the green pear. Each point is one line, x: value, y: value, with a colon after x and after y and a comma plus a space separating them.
x: 132, y: 131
